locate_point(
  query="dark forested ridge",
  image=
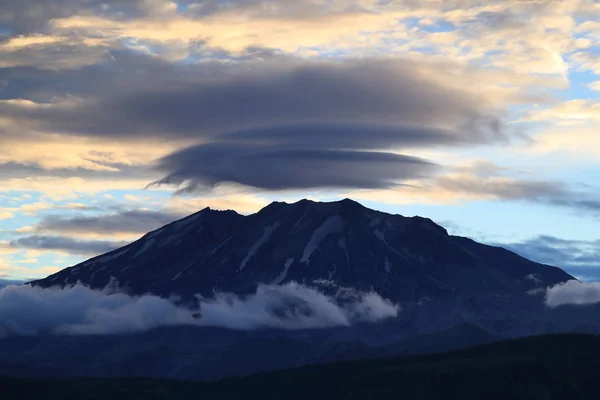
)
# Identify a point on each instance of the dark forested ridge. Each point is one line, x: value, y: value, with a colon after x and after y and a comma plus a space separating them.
x: 562, y: 366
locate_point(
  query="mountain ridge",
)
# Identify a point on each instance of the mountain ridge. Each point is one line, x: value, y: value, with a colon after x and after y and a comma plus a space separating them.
x: 332, y: 219
x: 438, y: 279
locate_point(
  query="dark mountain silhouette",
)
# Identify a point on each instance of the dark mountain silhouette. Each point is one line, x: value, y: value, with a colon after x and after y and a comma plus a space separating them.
x: 452, y: 292
x: 440, y: 280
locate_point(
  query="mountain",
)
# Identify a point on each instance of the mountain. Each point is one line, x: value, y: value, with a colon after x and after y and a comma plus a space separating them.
x: 438, y: 279
x: 545, y: 367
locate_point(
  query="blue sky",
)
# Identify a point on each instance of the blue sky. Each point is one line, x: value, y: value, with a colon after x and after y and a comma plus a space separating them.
x: 258, y: 101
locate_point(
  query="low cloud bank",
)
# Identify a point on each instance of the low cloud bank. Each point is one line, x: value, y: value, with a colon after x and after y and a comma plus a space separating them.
x: 573, y: 292
x: 27, y: 310
x: 7, y: 282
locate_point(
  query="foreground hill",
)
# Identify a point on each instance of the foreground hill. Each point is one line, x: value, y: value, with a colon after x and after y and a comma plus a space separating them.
x: 544, y: 367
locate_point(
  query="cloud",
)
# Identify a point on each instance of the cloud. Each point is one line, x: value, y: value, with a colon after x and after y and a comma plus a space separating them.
x: 594, y: 85
x: 15, y: 271
x: 271, y: 93
x: 295, y: 306
x: 500, y: 187
x: 22, y: 18
x: 126, y: 221
x: 279, y: 168
x: 578, y: 142
x: 6, y: 248
x: 483, y: 180
x: 573, y: 292
x: 569, y: 112
x: 53, y: 53
x: 66, y: 244
x: 304, y: 117
x: 66, y: 156
x: 581, y: 258
x: 10, y: 282
x: 92, y: 93
x: 57, y: 188
x: 6, y: 215
x: 27, y: 310
x: 291, y: 112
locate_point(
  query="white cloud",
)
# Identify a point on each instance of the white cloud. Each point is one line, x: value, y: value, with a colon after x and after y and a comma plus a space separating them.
x: 26, y: 310
x: 594, y: 85
x: 573, y: 292
x: 6, y: 215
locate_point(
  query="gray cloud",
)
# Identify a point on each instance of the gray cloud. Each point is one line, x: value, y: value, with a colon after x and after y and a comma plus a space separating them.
x: 298, y: 123
x: 13, y: 170
x: 354, y: 91
x: 259, y: 95
x: 342, y: 135
x: 490, y: 180
x: 8, y: 282
x: 506, y: 190
x: 35, y: 15
x: 67, y: 56
x: 26, y: 310
x: 580, y: 258
x: 301, y: 124
x: 70, y: 245
x: 126, y: 221
x: 283, y: 167
x: 503, y: 20
x: 576, y: 201
x: 573, y: 292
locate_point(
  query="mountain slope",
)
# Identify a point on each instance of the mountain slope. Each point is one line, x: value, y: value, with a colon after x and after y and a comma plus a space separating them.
x: 342, y: 241
x: 439, y: 280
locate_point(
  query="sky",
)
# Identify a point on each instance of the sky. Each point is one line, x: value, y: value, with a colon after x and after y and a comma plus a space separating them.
x: 117, y: 117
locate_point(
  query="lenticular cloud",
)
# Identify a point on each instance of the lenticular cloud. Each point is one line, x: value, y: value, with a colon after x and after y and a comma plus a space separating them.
x: 27, y: 310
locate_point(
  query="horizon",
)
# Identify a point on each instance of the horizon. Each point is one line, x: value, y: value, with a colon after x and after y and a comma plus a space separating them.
x: 118, y: 118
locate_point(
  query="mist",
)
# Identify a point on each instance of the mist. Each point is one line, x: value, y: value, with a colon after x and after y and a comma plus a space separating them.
x: 573, y: 292
x: 29, y: 310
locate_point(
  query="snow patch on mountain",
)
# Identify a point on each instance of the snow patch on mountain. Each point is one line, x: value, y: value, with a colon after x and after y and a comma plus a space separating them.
x: 261, y: 241
x: 381, y: 236
x: 281, y: 277
x: 297, y: 223
x: 177, y: 275
x: 333, y: 224
x: 342, y: 243
x: 213, y: 251
x: 387, y: 266
x: 147, y: 245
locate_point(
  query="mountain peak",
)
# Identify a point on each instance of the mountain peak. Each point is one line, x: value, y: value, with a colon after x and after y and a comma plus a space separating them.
x: 343, y: 206
x: 347, y: 202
